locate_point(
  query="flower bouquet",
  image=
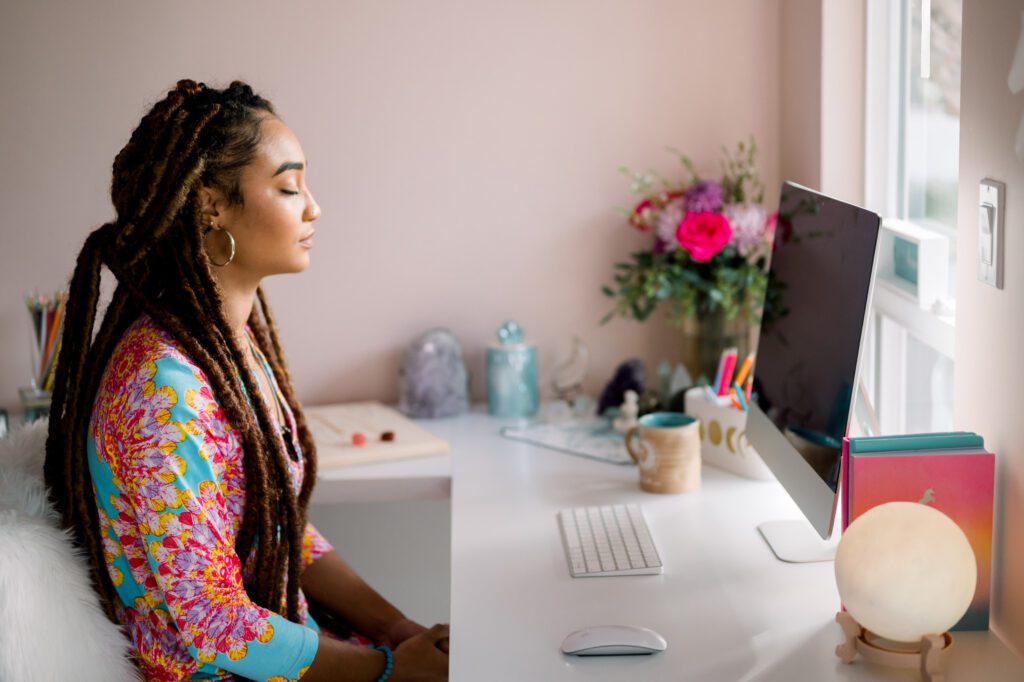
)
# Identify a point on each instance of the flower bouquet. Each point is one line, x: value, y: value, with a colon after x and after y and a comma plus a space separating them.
x: 708, y: 255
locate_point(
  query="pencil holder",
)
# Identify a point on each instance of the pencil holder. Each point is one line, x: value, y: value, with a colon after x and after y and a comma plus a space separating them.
x: 723, y: 435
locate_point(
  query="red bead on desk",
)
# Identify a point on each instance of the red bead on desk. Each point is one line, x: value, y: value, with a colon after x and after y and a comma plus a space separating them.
x: 358, y: 438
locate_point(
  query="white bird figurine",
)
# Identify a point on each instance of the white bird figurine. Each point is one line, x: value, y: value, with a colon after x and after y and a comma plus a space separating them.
x: 628, y: 412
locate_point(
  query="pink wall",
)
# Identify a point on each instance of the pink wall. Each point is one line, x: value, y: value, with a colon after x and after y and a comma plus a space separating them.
x: 989, y: 331
x: 464, y: 154
x: 800, y: 59
x: 821, y: 124
x: 842, y: 99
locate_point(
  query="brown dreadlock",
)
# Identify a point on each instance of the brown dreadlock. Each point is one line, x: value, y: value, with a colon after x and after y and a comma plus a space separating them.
x: 196, y: 136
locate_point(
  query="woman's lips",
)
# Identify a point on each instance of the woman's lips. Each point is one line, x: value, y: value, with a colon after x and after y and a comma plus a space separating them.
x: 308, y: 240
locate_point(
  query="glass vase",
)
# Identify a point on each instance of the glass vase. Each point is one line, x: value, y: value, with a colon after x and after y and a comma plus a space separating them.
x: 705, y: 337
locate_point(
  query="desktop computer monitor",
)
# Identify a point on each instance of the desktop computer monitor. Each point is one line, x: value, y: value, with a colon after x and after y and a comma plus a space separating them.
x: 807, y: 357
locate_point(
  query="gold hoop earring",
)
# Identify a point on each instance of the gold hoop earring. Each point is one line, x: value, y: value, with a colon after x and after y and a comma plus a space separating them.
x: 231, y: 245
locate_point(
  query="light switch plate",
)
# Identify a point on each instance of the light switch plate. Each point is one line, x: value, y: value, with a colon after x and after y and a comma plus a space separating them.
x: 991, y: 200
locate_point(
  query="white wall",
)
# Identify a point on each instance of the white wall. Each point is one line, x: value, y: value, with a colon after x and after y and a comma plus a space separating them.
x: 464, y: 154
x: 989, y: 326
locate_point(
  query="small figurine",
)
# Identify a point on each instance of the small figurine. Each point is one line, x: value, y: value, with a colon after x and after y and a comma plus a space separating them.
x: 628, y: 412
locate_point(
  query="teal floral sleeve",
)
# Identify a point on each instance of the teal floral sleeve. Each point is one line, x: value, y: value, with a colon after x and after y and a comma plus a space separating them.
x: 167, y: 472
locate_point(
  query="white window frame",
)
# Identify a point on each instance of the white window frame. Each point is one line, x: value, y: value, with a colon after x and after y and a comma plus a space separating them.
x: 895, y: 315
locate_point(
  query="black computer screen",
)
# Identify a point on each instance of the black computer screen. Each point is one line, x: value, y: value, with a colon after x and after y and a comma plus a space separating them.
x: 821, y: 271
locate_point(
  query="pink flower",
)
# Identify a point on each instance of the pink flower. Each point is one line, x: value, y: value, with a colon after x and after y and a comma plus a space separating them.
x: 668, y: 223
x: 704, y: 234
x: 749, y: 223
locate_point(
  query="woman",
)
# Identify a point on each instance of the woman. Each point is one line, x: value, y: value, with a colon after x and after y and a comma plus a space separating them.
x: 188, y: 494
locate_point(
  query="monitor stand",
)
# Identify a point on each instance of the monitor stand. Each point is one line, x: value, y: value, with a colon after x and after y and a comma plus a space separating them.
x: 795, y: 542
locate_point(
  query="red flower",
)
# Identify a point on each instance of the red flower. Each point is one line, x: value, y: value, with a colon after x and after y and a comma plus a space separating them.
x: 783, y: 224
x: 704, y: 234
x: 642, y: 216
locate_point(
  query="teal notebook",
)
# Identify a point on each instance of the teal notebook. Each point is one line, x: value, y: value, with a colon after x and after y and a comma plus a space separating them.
x: 916, y: 441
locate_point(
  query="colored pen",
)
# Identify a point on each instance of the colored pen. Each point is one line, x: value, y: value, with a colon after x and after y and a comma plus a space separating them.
x: 739, y: 395
x: 718, y: 373
x: 745, y: 369
x: 729, y: 364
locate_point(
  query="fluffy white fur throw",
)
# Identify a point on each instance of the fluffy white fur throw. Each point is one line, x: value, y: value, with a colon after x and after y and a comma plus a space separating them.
x: 51, y: 624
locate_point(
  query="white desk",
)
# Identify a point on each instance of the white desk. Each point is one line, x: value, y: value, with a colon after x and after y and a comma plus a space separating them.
x: 422, y: 478
x: 728, y: 609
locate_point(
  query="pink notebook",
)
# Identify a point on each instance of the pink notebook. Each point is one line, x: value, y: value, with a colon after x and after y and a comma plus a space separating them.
x: 844, y: 483
x: 959, y: 484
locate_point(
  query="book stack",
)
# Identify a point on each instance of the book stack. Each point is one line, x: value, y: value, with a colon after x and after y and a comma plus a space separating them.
x: 952, y: 472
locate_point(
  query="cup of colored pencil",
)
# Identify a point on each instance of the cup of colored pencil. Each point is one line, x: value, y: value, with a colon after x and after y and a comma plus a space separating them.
x: 47, y: 316
x: 739, y: 388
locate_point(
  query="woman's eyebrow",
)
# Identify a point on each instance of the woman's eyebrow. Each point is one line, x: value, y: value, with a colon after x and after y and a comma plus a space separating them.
x: 289, y: 165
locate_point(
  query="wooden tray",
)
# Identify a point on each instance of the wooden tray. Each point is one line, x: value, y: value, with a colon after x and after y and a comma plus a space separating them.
x: 332, y: 427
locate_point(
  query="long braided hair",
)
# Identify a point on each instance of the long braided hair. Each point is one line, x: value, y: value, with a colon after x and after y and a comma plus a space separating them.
x: 196, y: 136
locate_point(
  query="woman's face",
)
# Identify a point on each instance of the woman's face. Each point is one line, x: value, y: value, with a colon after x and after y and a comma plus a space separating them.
x: 273, y: 227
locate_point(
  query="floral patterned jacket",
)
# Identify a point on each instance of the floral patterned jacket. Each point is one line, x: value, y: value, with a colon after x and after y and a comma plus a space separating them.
x: 167, y: 470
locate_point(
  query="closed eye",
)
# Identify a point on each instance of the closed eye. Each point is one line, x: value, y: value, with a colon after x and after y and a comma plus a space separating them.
x: 289, y: 192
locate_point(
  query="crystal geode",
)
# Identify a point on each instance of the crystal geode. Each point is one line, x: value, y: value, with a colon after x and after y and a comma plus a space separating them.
x: 433, y: 381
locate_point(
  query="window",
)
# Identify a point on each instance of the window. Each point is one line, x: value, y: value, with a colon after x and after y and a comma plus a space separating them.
x: 911, y: 161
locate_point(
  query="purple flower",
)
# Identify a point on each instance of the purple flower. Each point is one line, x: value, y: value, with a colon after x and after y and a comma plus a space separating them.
x: 704, y: 197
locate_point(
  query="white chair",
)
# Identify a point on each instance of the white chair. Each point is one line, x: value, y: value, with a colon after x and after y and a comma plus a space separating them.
x: 51, y: 624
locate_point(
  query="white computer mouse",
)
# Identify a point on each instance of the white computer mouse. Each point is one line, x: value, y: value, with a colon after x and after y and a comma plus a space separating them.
x: 613, y: 640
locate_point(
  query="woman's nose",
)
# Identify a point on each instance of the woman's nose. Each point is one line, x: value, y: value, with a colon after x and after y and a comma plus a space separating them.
x: 312, y: 209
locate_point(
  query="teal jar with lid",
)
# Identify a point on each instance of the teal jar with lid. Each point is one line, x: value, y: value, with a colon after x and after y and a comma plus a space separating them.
x: 512, y: 375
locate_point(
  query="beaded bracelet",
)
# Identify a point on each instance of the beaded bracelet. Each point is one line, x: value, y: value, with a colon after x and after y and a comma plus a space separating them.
x: 389, y: 666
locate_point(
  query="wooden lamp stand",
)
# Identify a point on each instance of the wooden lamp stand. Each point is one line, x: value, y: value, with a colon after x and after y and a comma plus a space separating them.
x: 929, y: 656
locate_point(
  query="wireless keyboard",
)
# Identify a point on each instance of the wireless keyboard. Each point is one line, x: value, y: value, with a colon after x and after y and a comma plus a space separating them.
x: 609, y: 540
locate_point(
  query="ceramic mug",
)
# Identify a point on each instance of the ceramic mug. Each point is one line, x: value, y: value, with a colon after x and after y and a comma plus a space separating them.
x: 668, y: 453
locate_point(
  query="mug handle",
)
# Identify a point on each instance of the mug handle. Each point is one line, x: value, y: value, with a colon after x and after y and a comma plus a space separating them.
x: 634, y: 454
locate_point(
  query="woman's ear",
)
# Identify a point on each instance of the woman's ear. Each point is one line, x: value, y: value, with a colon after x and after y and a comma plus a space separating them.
x: 210, y: 202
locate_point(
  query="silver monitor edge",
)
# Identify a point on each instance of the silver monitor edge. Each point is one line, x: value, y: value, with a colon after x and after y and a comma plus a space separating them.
x: 813, y: 496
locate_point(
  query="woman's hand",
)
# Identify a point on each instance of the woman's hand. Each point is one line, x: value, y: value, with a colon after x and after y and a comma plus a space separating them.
x: 420, y: 658
x: 402, y: 629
